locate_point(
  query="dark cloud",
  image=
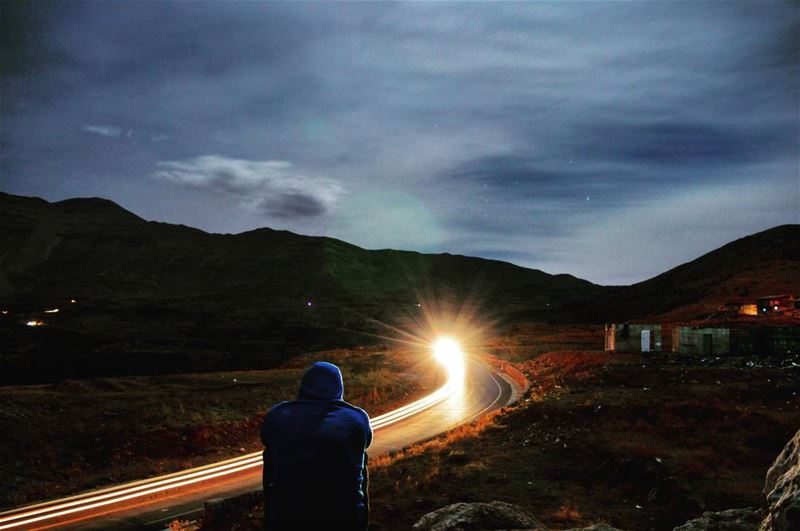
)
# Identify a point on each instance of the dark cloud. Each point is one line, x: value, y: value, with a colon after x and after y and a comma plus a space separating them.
x: 293, y: 205
x: 271, y: 186
x: 554, y: 178
x: 22, y: 24
x: 667, y: 143
x: 541, y: 198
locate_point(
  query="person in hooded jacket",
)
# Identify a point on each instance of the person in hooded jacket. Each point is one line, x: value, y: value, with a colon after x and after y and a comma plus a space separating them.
x: 315, y: 461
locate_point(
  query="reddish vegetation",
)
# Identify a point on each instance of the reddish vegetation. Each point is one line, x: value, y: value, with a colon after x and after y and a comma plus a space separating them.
x: 638, y: 441
x: 641, y: 442
x: 553, y: 367
x: 124, y: 429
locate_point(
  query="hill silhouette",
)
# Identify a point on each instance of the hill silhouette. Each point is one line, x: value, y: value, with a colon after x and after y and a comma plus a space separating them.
x: 155, y: 297
x: 761, y: 264
x: 159, y: 297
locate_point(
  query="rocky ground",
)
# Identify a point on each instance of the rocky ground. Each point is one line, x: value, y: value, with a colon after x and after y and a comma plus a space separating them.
x: 781, y: 508
x: 635, y: 442
x: 639, y: 443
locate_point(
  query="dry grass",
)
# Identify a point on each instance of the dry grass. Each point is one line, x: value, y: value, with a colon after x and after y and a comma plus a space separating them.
x: 524, y: 341
x: 637, y: 442
x: 441, y: 442
x: 568, y: 514
x: 183, y: 525
x: 129, y: 428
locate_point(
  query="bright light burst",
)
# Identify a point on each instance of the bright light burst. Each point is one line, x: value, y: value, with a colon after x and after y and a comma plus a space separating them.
x: 448, y: 353
x: 442, y: 333
x: 439, y: 321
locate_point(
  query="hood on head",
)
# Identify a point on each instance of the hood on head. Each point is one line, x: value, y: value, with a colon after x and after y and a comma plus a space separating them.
x: 322, y: 381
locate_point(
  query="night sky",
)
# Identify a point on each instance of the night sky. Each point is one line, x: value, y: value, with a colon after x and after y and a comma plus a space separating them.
x: 609, y: 140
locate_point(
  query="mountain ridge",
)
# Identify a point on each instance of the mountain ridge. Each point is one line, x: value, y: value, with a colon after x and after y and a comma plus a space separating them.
x: 222, y: 300
x: 174, y: 296
x: 759, y: 264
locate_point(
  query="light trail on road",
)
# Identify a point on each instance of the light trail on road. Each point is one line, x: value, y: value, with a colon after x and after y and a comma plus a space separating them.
x: 49, y: 513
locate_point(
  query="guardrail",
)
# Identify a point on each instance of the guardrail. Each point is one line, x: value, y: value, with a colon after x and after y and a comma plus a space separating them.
x: 510, y: 370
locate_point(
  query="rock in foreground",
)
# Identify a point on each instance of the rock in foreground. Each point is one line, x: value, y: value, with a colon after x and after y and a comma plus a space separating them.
x: 782, y: 493
x: 730, y: 520
x: 494, y: 515
x: 478, y: 516
x: 782, y: 489
x: 595, y: 527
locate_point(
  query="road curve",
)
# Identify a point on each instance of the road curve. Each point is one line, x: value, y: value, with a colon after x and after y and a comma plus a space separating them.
x: 153, y: 503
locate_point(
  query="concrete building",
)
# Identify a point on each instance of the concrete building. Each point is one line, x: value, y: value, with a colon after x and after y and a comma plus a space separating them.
x: 737, y: 341
x: 765, y: 341
x: 697, y: 341
x: 633, y: 337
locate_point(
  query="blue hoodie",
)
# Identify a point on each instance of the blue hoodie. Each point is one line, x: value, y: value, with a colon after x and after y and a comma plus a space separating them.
x: 315, y: 467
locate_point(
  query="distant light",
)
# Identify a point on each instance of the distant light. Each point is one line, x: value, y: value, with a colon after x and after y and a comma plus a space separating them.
x: 34, y: 323
x: 448, y: 352
x: 54, y: 310
x: 308, y: 303
x: 419, y: 305
x: 446, y: 349
x: 72, y: 301
x: 776, y: 307
x: 5, y: 312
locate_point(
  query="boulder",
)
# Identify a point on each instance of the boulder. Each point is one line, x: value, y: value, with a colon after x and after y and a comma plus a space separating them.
x: 478, y: 516
x: 730, y: 520
x: 595, y: 527
x: 782, y: 490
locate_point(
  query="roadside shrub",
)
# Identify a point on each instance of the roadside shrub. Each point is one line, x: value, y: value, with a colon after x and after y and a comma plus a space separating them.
x: 568, y: 513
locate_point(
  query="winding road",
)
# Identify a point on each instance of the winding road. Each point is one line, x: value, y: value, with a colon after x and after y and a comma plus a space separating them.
x: 470, y: 390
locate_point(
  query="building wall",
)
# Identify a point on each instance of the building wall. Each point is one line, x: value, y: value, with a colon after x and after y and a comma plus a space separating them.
x: 628, y: 337
x: 701, y: 341
x: 765, y: 341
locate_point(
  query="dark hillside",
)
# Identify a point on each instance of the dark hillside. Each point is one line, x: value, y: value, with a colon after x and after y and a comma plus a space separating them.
x: 154, y: 297
x: 762, y: 264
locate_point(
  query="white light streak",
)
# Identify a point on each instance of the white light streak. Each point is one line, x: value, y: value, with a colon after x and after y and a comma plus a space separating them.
x: 446, y: 351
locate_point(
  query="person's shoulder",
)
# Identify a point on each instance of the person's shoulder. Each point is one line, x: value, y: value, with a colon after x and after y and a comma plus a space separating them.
x: 355, y: 411
x: 282, y: 403
x: 277, y: 408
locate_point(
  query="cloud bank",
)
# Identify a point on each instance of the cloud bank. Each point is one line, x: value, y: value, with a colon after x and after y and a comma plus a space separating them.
x: 270, y: 186
x: 505, y: 130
